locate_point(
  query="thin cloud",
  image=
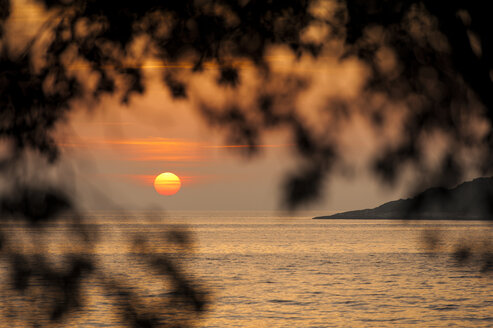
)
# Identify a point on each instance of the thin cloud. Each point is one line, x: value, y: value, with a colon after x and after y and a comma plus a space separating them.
x: 277, y: 62
x: 159, y: 149
x: 148, y: 179
x: 248, y: 146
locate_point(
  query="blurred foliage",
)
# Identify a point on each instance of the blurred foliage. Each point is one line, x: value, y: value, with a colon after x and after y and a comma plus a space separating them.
x: 435, y: 62
x: 432, y: 59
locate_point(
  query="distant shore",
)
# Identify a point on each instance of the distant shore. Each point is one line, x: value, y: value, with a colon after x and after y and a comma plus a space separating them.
x: 469, y: 201
x: 331, y: 217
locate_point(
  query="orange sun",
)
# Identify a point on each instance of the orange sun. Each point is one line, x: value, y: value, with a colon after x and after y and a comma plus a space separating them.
x: 167, y: 183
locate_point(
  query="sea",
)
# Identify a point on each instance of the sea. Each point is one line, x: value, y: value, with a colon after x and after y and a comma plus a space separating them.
x: 246, y: 269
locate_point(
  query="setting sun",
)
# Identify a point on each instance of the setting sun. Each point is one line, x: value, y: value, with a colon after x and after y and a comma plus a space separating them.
x: 167, y: 184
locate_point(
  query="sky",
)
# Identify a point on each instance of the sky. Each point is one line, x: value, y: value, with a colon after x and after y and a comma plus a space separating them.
x: 113, y: 152
x: 117, y: 151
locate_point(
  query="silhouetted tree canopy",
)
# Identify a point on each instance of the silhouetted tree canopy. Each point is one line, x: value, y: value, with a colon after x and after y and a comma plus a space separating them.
x: 428, y: 61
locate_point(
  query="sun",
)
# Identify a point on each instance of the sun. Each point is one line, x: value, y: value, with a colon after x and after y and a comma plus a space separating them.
x: 167, y: 183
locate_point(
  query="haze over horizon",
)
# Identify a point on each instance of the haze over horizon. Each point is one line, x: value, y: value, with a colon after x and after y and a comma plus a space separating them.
x: 120, y: 156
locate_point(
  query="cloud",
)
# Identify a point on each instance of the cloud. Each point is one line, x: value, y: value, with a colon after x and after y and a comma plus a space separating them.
x: 148, y: 179
x: 158, y: 149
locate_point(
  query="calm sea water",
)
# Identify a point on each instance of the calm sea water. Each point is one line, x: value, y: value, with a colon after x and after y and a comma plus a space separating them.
x: 264, y: 271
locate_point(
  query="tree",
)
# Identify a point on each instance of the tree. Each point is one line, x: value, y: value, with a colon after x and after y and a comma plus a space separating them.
x: 425, y: 68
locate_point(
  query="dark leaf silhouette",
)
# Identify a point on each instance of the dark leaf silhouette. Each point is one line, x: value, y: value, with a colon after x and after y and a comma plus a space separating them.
x: 432, y: 59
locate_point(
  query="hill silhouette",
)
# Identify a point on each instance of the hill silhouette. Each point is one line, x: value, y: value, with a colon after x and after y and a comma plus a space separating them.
x: 470, y: 200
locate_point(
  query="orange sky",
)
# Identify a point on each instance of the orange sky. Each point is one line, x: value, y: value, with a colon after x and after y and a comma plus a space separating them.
x: 165, y: 152
x: 124, y: 160
x: 117, y: 149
